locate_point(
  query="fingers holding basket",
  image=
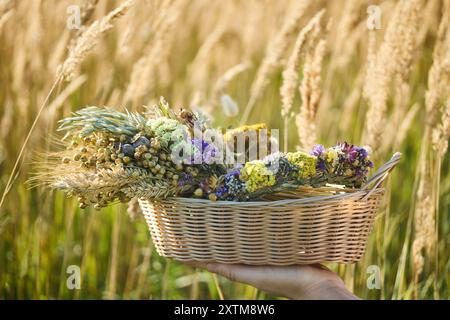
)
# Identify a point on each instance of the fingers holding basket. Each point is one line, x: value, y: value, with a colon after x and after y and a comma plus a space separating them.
x: 296, y: 281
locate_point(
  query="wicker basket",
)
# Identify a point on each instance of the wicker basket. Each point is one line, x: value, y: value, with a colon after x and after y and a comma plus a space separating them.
x: 308, y: 226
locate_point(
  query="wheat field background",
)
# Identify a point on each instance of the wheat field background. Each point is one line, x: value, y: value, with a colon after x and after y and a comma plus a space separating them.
x: 313, y: 69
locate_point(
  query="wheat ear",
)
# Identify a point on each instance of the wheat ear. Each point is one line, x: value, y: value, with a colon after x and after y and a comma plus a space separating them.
x: 290, y: 74
x: 87, y: 41
x: 274, y: 55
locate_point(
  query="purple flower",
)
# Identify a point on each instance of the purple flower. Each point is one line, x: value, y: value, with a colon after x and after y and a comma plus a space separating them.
x: 317, y: 150
x: 185, y: 179
x: 204, y: 185
x: 232, y: 186
x: 221, y: 191
x: 362, y: 152
x: 206, y: 152
x: 200, y: 144
x: 320, y: 166
x: 352, y: 155
x: 345, y: 147
x: 232, y: 174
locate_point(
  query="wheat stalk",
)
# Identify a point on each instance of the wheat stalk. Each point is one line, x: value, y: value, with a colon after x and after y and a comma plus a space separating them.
x: 273, y: 56
x: 393, y: 57
x: 226, y: 78
x: 310, y: 93
x: 426, y: 232
x: 401, y: 132
x: 290, y: 74
x: 88, y: 10
x: 6, y: 12
x: 63, y: 95
x: 198, y: 66
x: 441, y: 133
x: 87, y: 41
x: 142, y: 76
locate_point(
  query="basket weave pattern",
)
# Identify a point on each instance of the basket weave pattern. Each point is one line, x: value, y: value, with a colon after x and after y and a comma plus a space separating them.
x: 325, y: 228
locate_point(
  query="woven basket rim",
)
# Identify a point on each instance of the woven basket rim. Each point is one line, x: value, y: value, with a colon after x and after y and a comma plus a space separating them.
x: 358, y: 194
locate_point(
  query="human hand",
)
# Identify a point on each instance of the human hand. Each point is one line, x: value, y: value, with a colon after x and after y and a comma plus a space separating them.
x: 295, y: 282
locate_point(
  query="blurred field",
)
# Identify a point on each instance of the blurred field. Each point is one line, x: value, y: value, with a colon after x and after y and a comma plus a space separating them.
x: 184, y: 50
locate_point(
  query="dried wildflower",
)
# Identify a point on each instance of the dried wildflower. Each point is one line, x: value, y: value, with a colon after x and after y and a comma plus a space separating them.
x: 279, y: 165
x: 232, y: 188
x: 113, y: 156
x: 343, y: 164
x: 204, y: 152
x: 256, y: 175
x: 317, y: 150
x: 230, y: 134
x: 212, y: 197
x: 186, y: 179
x: 198, y: 192
x: 305, y: 163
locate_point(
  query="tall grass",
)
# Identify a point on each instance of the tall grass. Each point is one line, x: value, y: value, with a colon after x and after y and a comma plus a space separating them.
x: 387, y: 87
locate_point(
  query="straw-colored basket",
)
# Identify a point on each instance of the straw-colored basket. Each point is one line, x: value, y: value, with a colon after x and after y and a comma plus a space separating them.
x: 302, y: 227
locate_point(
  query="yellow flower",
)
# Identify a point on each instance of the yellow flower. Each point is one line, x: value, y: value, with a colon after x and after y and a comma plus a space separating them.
x: 213, y: 181
x: 198, y: 192
x: 230, y: 134
x: 305, y: 162
x: 256, y: 175
x: 331, y: 155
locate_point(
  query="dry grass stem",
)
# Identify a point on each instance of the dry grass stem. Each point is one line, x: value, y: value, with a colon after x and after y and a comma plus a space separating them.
x: 274, y: 54
x: 227, y: 77
x: 436, y: 96
x: 144, y: 71
x: 393, y: 57
x: 290, y: 74
x: 310, y: 92
x: 87, y: 41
